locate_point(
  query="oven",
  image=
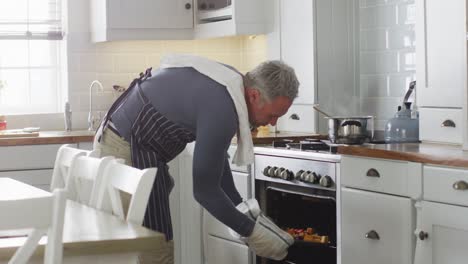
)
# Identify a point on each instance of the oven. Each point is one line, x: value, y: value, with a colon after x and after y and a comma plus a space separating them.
x: 297, y: 190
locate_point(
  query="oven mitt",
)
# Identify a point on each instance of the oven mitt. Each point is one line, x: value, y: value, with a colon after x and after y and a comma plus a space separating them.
x: 249, y: 208
x: 268, y: 240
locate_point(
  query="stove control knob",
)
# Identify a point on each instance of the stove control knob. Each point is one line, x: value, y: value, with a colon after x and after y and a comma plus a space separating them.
x: 305, y: 176
x: 271, y: 171
x: 287, y: 175
x: 279, y: 171
x: 315, y: 178
x: 265, y: 170
x: 298, y: 174
x: 326, y: 181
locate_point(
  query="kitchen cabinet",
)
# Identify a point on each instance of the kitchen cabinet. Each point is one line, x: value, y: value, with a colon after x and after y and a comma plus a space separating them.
x: 203, y: 239
x: 31, y: 164
x: 176, y: 19
x: 377, y: 225
x: 377, y: 212
x: 442, y: 229
x: 230, y: 18
x: 442, y: 234
x: 315, y: 38
x: 225, y: 251
x: 219, y: 245
x: 441, y: 69
x: 293, y: 42
x: 141, y: 19
x: 191, y: 250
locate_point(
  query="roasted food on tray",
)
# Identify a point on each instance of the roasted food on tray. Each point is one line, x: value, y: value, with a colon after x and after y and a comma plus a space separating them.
x: 307, y: 235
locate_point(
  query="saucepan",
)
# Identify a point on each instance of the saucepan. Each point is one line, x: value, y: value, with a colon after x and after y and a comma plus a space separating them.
x: 349, y: 129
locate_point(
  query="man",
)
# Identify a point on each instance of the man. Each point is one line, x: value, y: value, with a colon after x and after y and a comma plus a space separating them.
x: 191, y: 98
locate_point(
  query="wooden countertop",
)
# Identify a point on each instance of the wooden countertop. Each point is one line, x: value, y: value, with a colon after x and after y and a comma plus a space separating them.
x: 431, y: 153
x: 50, y: 137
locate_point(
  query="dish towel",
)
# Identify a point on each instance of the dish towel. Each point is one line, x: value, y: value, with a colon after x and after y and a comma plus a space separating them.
x: 234, y: 84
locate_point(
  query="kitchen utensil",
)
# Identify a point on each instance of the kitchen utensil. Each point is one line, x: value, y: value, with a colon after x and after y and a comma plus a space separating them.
x: 350, y: 130
x: 404, y: 126
x: 315, y: 106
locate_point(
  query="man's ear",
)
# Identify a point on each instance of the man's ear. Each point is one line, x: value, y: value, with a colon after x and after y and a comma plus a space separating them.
x: 253, y: 95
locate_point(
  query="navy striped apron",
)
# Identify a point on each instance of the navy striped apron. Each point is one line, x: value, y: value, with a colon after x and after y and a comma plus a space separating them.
x: 154, y: 141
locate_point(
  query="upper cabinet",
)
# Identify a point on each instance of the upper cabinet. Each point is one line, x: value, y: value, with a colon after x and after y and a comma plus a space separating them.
x: 175, y: 19
x: 441, y: 69
x: 141, y: 19
x: 297, y: 44
x: 220, y: 18
x: 441, y: 53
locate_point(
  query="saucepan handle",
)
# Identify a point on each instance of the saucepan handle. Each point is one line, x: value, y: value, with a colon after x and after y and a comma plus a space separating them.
x: 351, y: 123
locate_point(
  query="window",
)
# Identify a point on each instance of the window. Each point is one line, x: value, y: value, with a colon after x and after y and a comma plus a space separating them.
x: 30, y: 51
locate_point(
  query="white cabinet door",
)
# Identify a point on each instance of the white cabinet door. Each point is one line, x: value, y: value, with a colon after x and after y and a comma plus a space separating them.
x: 441, y: 52
x: 297, y: 44
x: 191, y: 249
x: 141, y: 14
x: 376, y: 228
x: 226, y: 252
x: 446, y: 227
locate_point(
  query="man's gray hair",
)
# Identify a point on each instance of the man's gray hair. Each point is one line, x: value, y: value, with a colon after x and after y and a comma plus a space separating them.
x: 272, y: 79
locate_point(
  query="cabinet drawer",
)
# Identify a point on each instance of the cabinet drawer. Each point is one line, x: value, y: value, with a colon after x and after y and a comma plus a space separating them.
x: 439, y: 185
x: 28, y: 157
x: 375, y: 175
x: 441, y: 125
x: 223, y: 251
x: 378, y: 226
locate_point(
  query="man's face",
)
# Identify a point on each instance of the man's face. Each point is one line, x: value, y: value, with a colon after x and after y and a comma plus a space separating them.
x: 261, y: 112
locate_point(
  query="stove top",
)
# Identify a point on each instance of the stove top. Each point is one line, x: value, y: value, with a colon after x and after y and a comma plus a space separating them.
x: 306, y: 145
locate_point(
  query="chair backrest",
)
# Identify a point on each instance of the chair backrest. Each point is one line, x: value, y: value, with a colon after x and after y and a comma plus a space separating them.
x: 138, y: 183
x: 43, y: 215
x: 65, y: 156
x: 85, y: 178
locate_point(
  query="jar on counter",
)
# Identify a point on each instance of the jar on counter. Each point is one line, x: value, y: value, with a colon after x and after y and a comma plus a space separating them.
x: 3, y: 122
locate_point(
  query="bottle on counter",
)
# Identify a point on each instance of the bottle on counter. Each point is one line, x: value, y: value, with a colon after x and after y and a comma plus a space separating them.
x: 3, y: 122
x: 68, y: 117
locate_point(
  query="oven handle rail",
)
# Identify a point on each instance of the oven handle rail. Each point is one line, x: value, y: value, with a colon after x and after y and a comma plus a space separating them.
x: 301, y: 193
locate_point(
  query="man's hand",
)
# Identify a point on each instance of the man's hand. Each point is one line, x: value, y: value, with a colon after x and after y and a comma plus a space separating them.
x: 268, y: 240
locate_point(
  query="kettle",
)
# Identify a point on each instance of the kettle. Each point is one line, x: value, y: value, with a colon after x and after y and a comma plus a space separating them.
x: 404, y: 126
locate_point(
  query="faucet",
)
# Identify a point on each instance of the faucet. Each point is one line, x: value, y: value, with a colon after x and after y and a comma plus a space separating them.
x: 90, y: 115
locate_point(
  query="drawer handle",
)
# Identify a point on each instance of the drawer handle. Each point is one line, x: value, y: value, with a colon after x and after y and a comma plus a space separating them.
x: 373, y: 173
x: 373, y: 235
x: 423, y: 235
x: 448, y: 123
x: 460, y: 186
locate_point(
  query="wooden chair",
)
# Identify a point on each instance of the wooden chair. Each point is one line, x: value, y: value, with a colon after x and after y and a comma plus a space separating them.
x: 85, y: 178
x: 43, y: 215
x: 138, y: 183
x: 65, y: 156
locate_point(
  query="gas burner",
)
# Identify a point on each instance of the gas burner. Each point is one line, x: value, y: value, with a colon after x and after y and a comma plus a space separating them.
x: 312, y: 146
x: 281, y: 143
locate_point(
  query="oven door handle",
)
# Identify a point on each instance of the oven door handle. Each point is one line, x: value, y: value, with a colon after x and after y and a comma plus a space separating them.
x: 301, y: 193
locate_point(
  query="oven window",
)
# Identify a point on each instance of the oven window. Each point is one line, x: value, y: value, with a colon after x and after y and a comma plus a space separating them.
x: 311, y: 220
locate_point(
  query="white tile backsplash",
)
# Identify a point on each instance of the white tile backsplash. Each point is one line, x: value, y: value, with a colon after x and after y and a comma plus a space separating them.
x: 387, y: 56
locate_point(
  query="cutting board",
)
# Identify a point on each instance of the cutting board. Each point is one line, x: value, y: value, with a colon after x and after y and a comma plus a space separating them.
x: 17, y: 133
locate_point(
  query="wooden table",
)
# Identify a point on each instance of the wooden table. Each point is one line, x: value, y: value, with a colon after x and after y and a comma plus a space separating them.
x: 87, y: 231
